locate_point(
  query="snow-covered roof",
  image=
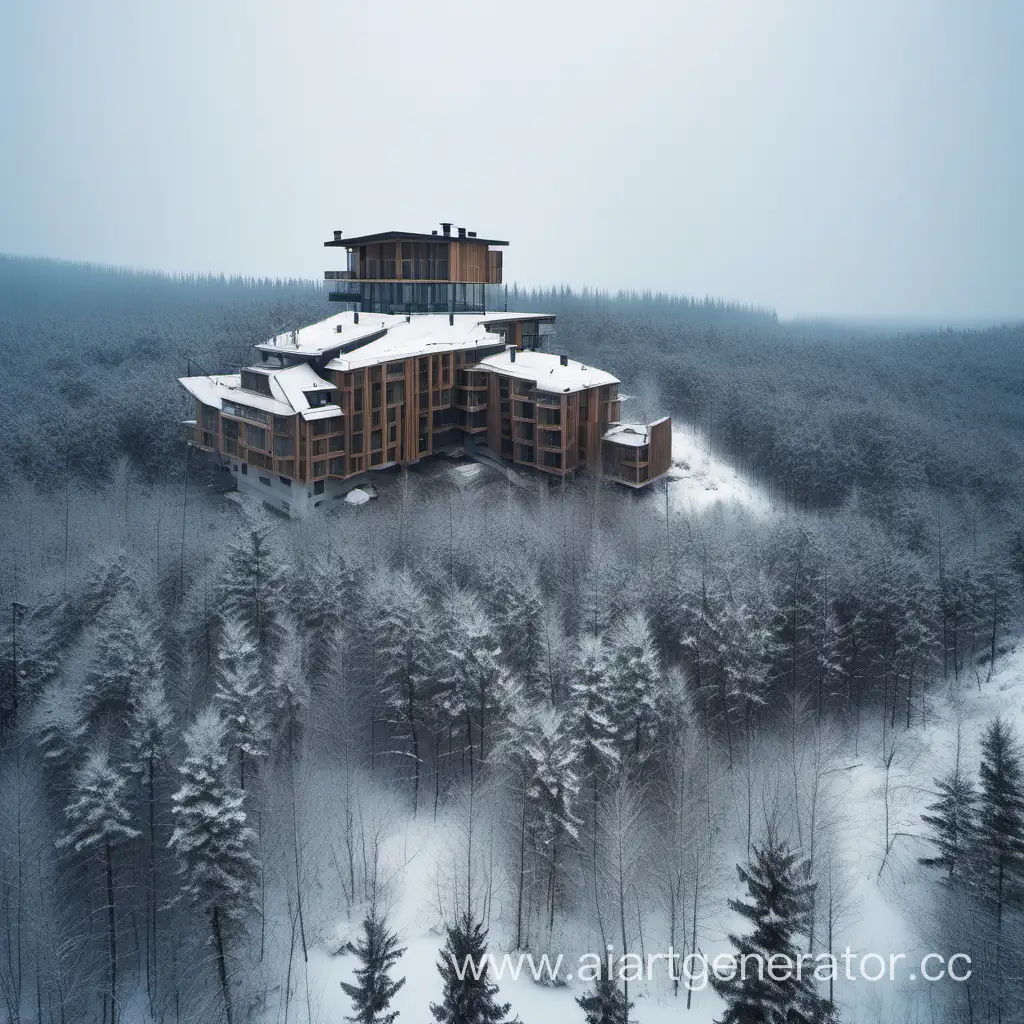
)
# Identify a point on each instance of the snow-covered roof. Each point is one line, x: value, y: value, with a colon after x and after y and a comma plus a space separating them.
x: 635, y: 435
x: 547, y: 371
x: 417, y: 334
x: 288, y: 389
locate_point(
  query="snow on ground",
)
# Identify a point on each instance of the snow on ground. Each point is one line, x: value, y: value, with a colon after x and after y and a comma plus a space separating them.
x: 699, y: 480
x: 886, y: 916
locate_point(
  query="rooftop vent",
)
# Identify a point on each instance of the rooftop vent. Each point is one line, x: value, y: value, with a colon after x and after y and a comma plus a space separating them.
x: 434, y: 232
x: 337, y: 327
x: 337, y: 236
x: 564, y: 360
x: 472, y: 234
x: 462, y: 232
x: 511, y: 353
x: 451, y: 319
x: 355, y: 317
x: 446, y: 227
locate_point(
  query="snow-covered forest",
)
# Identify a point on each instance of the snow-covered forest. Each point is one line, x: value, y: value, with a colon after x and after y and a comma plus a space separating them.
x: 260, y: 770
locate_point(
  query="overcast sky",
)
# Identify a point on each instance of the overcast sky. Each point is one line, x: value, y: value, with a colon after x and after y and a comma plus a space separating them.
x: 817, y: 156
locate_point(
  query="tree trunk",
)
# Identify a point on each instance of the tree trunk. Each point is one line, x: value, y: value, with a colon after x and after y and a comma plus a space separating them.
x: 111, y: 930
x: 222, y: 967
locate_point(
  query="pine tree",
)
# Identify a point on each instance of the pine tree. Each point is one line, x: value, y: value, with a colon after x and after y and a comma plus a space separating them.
x: 240, y: 695
x: 252, y: 584
x: 99, y: 822
x: 149, y: 724
x: 516, y: 608
x: 213, y: 843
x: 402, y: 636
x: 287, y: 696
x: 378, y: 953
x: 591, y: 710
x: 779, y: 903
x: 468, y: 999
x: 127, y: 655
x: 951, y: 818
x: 607, y: 1004
x: 636, y: 681
x: 998, y: 855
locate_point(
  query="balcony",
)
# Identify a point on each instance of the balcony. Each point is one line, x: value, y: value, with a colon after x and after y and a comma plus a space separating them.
x: 203, y: 439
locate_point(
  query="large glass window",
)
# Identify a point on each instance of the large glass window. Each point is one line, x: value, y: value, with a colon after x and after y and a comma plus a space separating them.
x: 255, y: 437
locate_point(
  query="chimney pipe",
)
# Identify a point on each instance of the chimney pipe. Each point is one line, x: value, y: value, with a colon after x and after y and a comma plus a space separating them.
x: 472, y: 234
x: 446, y: 227
x: 462, y: 232
x: 337, y: 328
x: 355, y: 317
x: 451, y: 319
x: 337, y: 236
x: 511, y: 353
x: 564, y: 360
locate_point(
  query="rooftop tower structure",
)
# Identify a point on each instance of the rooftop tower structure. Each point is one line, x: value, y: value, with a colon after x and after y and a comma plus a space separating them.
x: 408, y: 272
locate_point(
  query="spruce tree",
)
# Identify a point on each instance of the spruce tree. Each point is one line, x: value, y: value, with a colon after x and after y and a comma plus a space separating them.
x: 378, y: 952
x: 778, y: 907
x: 468, y: 999
x: 636, y: 678
x: 239, y: 694
x: 211, y: 838
x: 999, y: 833
x: 99, y: 821
x: 950, y: 818
x: 252, y: 584
x: 607, y: 1004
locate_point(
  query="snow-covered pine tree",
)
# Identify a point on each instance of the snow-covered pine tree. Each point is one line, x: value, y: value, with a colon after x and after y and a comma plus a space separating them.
x: 997, y: 858
x: 553, y: 758
x: 607, y: 1003
x: 591, y: 709
x: 149, y: 724
x: 240, y: 694
x: 99, y: 822
x: 636, y: 679
x: 287, y: 692
x: 126, y: 656
x: 211, y: 838
x: 321, y: 590
x: 468, y: 995
x: 60, y: 727
x: 252, y: 584
x: 468, y: 670
x: 950, y: 819
x: 403, y: 641
x: 378, y: 952
x: 778, y: 906
x: 516, y: 609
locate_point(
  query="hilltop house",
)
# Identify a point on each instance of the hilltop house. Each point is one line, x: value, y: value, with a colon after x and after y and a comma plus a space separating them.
x: 413, y: 366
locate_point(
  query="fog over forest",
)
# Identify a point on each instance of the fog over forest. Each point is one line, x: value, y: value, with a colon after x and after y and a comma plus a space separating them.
x: 236, y: 751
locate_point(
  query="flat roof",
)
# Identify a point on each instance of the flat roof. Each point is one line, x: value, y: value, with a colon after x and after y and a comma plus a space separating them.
x: 547, y: 371
x: 408, y: 236
x: 382, y: 336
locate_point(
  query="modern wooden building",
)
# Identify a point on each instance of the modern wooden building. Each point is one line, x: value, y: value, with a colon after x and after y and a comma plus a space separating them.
x: 367, y: 389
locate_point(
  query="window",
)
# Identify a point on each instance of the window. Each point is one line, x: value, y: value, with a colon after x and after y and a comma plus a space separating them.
x: 320, y: 468
x: 356, y: 463
x: 252, y: 380
x: 376, y: 458
x: 230, y: 429
x: 396, y: 369
x: 265, y: 480
x: 375, y: 440
x: 357, y: 399
x: 245, y: 469
x: 286, y: 506
x: 395, y: 393
x: 336, y: 443
x: 317, y: 398
x: 318, y: 487
x: 553, y: 460
x: 246, y: 412
x: 285, y: 481
x: 446, y: 396
x: 357, y: 423
x: 210, y: 417
x: 392, y: 433
x: 284, y: 447
x: 524, y: 452
x: 282, y: 425
x: 255, y: 437
x: 357, y: 442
